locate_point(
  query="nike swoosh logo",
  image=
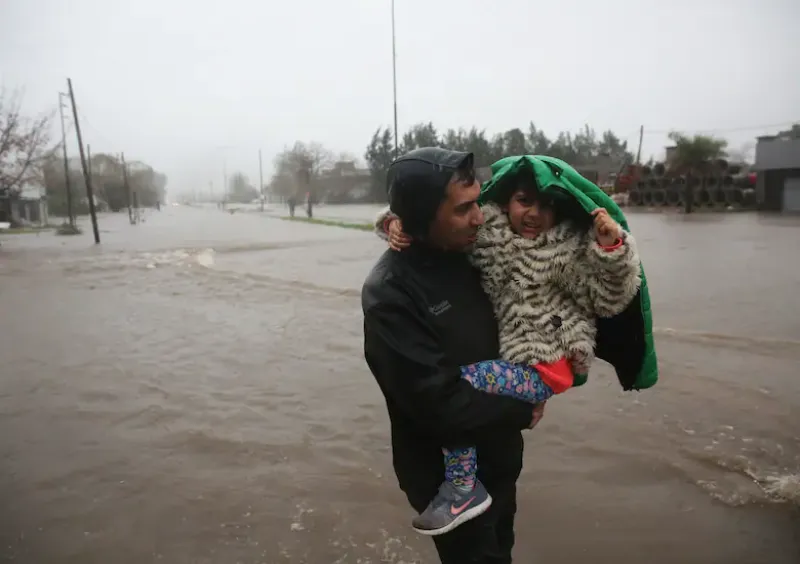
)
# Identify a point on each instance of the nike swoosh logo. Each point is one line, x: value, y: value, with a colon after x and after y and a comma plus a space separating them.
x: 456, y: 510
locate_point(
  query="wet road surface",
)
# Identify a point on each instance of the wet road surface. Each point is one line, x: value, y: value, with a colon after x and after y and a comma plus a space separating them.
x: 194, y: 391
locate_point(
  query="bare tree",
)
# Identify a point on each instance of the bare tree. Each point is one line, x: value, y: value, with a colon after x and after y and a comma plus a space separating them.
x: 23, y: 144
x: 293, y: 164
x: 319, y: 157
x: 240, y: 190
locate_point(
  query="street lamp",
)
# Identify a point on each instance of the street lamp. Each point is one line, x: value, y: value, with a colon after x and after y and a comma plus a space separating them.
x: 223, y: 149
x: 394, y: 82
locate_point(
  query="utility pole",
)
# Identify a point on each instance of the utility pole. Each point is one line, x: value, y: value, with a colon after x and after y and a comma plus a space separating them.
x: 127, y: 188
x: 86, y: 175
x: 305, y: 176
x: 136, y: 206
x: 224, y: 181
x: 639, y: 150
x: 394, y: 83
x: 261, y: 180
x: 89, y: 159
x: 688, y: 201
x: 70, y: 216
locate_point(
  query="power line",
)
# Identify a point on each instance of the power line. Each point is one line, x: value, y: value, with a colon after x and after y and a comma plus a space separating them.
x: 722, y: 129
x: 96, y: 131
x: 86, y: 121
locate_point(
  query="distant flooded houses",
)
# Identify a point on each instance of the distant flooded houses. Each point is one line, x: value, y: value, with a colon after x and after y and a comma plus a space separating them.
x: 26, y: 205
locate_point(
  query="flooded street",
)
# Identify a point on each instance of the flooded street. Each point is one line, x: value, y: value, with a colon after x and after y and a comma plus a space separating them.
x: 194, y: 391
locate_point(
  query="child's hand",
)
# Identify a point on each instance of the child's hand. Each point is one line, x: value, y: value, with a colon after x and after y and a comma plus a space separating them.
x: 397, y: 239
x: 606, y: 230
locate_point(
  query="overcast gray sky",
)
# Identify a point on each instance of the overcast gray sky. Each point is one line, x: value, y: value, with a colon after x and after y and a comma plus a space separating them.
x: 180, y: 83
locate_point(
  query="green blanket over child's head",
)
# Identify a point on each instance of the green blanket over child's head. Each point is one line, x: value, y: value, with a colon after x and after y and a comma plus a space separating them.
x: 626, y: 340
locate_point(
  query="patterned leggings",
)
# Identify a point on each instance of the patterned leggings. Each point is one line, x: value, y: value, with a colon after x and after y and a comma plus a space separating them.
x: 495, y: 377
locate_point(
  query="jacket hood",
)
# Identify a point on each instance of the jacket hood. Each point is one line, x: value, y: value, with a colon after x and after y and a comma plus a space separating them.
x: 553, y: 176
x: 417, y: 184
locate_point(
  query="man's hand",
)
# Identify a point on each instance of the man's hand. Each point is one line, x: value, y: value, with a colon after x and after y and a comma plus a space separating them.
x: 538, y: 413
x: 606, y: 230
x: 397, y: 239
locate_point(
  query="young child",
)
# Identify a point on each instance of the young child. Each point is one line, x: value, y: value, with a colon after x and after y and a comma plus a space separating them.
x: 550, y: 271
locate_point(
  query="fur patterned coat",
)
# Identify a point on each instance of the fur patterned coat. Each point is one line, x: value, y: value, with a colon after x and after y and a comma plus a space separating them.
x: 548, y: 292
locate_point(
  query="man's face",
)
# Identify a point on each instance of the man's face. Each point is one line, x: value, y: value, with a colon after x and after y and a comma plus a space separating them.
x: 458, y: 217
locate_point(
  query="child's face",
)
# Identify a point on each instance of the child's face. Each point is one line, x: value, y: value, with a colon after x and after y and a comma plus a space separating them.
x: 528, y: 218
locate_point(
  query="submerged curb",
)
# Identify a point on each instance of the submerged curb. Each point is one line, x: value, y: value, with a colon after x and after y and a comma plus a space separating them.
x: 27, y: 230
x: 362, y: 226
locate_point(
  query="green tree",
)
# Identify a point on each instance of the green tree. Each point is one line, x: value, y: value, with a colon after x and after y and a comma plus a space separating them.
x: 240, y: 190
x: 108, y: 180
x: 109, y: 183
x: 612, y: 146
x: 56, y: 188
x: 537, y: 141
x: 379, y: 155
x: 583, y: 148
x: 455, y: 139
x: 696, y: 154
x: 562, y: 148
x: 514, y: 143
x: 477, y: 143
x: 149, y: 185
x: 420, y: 135
x: 694, y: 157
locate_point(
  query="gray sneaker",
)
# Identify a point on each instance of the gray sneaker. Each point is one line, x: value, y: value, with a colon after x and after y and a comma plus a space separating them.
x: 450, y: 508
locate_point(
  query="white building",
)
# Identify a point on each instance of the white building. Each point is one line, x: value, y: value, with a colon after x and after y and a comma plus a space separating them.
x: 29, y: 208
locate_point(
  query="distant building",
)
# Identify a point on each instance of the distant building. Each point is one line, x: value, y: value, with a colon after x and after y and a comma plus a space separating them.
x: 27, y: 208
x: 778, y: 168
x: 602, y: 170
x: 669, y: 154
x: 344, y: 182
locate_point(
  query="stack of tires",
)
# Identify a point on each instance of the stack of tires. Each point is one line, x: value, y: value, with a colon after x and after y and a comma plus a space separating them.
x: 723, y: 186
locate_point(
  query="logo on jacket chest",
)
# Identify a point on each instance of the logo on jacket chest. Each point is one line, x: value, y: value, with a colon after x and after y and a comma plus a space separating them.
x: 440, y: 308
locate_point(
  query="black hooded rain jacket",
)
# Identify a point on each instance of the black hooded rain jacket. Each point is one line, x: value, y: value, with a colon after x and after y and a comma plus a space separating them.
x: 425, y: 315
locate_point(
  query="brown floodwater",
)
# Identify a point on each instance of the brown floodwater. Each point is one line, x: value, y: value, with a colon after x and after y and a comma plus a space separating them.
x: 194, y: 391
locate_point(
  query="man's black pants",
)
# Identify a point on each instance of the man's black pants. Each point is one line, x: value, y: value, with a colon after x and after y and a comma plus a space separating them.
x: 487, y: 539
